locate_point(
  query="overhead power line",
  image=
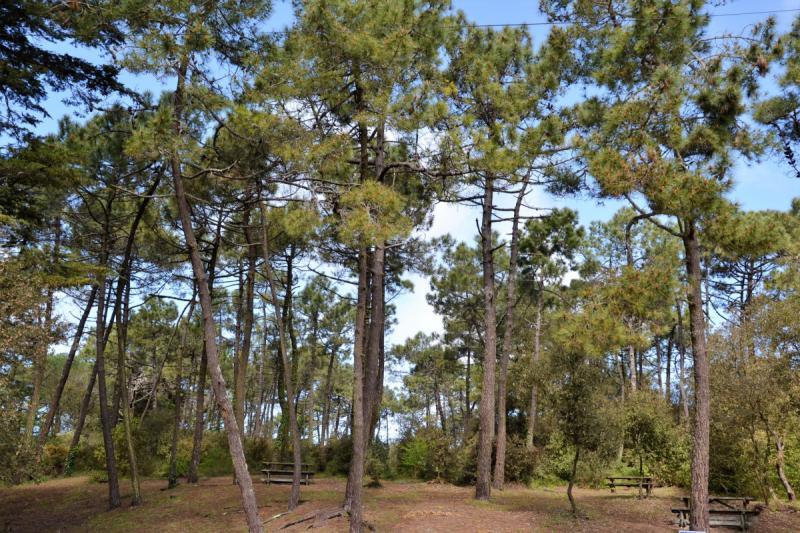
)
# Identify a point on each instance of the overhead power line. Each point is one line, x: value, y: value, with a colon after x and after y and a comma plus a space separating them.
x: 566, y: 23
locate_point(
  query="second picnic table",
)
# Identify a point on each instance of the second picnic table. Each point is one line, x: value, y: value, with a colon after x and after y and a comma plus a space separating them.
x: 642, y: 482
x: 283, y: 472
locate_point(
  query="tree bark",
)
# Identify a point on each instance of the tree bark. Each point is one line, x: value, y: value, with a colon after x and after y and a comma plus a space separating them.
x: 502, y: 392
x: 483, y: 485
x: 700, y: 459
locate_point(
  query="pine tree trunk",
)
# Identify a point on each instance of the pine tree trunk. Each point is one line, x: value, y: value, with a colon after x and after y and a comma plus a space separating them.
x: 122, y: 346
x: 105, y: 416
x: 240, y: 385
x: 40, y: 359
x: 353, y: 499
x: 502, y: 392
x: 217, y: 380
x: 294, y: 497
x: 668, y: 371
x: 467, y: 387
x: 172, y: 477
x: 533, y: 411
x: 700, y: 459
x: 483, y: 485
x: 62, y: 382
x: 209, y: 330
x: 684, y: 396
x: 76, y: 433
x: 193, y: 475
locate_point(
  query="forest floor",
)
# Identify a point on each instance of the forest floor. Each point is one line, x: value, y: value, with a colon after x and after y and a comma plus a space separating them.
x: 78, y: 504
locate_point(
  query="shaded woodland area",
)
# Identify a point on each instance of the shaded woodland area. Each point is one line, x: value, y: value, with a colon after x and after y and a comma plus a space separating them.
x: 198, y: 281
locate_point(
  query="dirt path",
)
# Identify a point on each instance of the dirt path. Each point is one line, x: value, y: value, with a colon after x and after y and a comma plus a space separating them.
x: 77, y: 504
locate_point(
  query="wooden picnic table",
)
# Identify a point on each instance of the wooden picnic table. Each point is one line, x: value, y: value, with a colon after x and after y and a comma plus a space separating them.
x: 726, y: 501
x: 732, y: 513
x: 642, y: 482
x: 277, y: 472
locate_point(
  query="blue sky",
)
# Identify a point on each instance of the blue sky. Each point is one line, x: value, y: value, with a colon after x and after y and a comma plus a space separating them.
x: 759, y: 185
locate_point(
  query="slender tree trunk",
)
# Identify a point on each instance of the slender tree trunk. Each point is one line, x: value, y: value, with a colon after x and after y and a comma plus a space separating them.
x: 533, y: 411
x: 668, y: 371
x: 172, y: 477
x: 62, y: 382
x: 105, y: 416
x: 658, y: 367
x: 353, y: 501
x: 779, y: 464
x: 684, y: 396
x: 326, y: 409
x: 467, y: 388
x: 291, y: 401
x: 197, y: 445
x: 572, y: 481
x: 437, y: 398
x: 700, y: 461
x: 76, y: 433
x: 200, y: 396
x: 40, y: 360
x: 505, y: 354
x: 217, y: 380
x: 483, y: 485
x: 240, y: 384
x: 632, y: 368
x: 122, y: 346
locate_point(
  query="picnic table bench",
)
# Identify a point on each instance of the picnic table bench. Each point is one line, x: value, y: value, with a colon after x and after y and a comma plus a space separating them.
x: 642, y: 482
x: 730, y: 511
x: 275, y: 472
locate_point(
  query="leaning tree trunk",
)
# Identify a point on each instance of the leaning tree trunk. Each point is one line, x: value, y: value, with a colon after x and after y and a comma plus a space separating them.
x: 217, y: 380
x: 62, y: 382
x: 76, y: 433
x: 779, y: 464
x: 483, y: 485
x: 700, y: 457
x: 502, y: 380
x: 209, y: 331
x: 40, y: 359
